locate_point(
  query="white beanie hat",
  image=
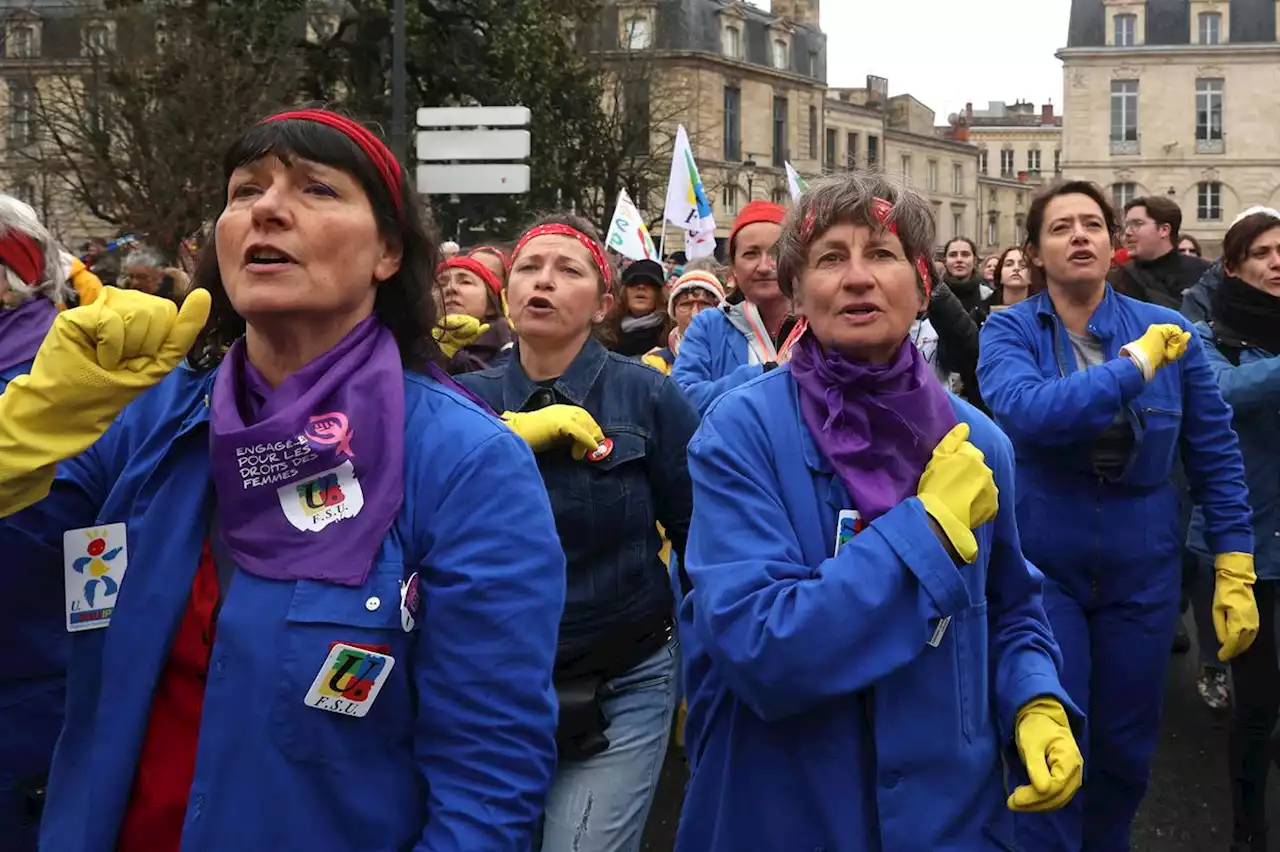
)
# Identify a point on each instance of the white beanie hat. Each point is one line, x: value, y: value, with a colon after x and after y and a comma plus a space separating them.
x: 1270, y: 211
x: 696, y: 280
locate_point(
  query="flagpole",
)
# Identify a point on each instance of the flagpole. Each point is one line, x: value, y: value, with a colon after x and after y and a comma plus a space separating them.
x: 662, y: 243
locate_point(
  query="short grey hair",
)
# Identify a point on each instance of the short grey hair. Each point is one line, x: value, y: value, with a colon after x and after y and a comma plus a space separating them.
x: 706, y: 264
x: 144, y: 257
x: 17, y: 216
x: 849, y: 199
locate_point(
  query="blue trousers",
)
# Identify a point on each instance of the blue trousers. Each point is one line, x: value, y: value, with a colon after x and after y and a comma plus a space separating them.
x: 1115, y: 657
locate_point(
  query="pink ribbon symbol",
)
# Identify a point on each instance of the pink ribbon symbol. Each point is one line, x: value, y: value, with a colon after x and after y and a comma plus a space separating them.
x: 328, y: 430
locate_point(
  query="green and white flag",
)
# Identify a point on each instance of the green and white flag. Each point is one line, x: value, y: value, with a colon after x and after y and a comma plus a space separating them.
x: 795, y: 183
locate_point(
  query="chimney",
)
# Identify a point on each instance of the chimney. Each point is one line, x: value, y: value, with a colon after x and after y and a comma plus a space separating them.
x: 1046, y: 114
x: 968, y: 112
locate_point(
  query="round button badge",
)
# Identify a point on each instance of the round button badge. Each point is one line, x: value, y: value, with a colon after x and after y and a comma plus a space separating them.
x: 601, y: 452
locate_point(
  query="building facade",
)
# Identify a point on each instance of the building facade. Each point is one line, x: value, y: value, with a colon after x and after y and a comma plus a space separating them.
x: 1170, y: 97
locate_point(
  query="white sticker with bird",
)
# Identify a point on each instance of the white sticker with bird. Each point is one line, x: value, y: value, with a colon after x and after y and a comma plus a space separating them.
x: 94, y: 559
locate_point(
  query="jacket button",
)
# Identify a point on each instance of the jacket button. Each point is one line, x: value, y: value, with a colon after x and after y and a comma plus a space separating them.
x: 372, y: 604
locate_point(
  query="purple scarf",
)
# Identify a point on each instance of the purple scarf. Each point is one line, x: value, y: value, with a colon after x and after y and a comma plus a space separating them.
x: 310, y: 475
x: 876, y: 425
x: 23, y: 329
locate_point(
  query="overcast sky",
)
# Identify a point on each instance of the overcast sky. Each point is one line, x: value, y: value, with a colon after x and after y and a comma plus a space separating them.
x: 947, y: 52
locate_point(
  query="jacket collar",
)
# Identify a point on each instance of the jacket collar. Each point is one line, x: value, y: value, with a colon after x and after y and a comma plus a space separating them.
x: 1101, y: 324
x: 574, y: 385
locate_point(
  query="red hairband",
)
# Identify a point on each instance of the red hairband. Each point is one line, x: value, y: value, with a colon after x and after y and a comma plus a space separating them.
x: 476, y: 268
x: 881, y: 208
x: 383, y: 160
x: 23, y: 255
x: 597, y: 253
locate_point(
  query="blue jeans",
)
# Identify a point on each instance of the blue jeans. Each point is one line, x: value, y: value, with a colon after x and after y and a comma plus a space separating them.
x: 601, y: 804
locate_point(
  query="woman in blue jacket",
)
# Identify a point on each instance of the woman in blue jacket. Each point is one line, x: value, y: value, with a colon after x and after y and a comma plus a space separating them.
x: 1099, y: 393
x: 610, y: 435
x: 1243, y: 346
x: 318, y: 635
x: 751, y: 333
x: 865, y: 643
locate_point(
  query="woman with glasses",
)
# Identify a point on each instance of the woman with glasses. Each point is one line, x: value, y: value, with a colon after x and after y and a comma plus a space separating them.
x: 691, y: 294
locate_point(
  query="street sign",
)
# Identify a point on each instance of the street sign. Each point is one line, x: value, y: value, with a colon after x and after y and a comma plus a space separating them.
x: 473, y: 145
x: 460, y: 136
x: 517, y: 116
x: 489, y: 179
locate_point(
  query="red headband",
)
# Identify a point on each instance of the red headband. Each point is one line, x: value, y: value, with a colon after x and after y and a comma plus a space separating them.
x: 597, y: 253
x: 23, y: 255
x: 475, y: 267
x: 497, y: 252
x: 383, y: 160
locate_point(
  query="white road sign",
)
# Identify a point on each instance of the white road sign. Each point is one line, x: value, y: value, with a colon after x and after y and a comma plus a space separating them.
x: 488, y: 179
x: 461, y: 136
x: 473, y: 145
x: 516, y: 116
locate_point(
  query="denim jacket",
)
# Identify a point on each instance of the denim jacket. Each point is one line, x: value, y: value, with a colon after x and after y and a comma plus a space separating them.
x: 606, y: 511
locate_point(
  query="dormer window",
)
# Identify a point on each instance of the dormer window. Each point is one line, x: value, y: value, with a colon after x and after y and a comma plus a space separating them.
x: 638, y: 32
x: 20, y: 41
x: 732, y: 42
x: 99, y: 38
x: 781, y: 54
x: 1125, y: 25
x: 1210, y: 28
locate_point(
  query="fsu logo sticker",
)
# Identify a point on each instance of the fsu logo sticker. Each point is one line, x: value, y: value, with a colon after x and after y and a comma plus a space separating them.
x: 326, y: 498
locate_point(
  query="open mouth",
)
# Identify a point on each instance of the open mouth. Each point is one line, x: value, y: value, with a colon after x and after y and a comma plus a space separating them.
x: 539, y: 303
x: 267, y: 256
x: 1082, y: 256
x: 860, y: 311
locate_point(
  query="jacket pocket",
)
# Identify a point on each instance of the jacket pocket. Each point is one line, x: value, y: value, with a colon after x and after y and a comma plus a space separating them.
x: 320, y: 616
x: 972, y: 670
x: 1161, y: 430
x: 613, y: 485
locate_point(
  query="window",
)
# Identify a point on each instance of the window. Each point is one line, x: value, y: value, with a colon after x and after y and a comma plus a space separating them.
x: 833, y: 148
x: 1033, y: 161
x: 24, y: 192
x: 1208, y: 111
x: 814, y: 63
x: 1209, y: 201
x: 957, y: 219
x: 732, y: 123
x: 1122, y: 194
x: 1057, y: 162
x: 982, y: 162
x: 813, y: 133
x: 1124, y: 26
x: 1019, y: 230
x: 1006, y: 162
x: 781, y: 195
x: 639, y: 33
x: 97, y: 39
x: 732, y: 42
x: 906, y: 167
x: 1124, y: 113
x: 957, y: 179
x: 851, y: 153
x: 21, y: 41
x: 873, y: 152
x: 992, y: 236
x: 780, y: 153
x: 1210, y: 28
x: 730, y: 197
x: 781, y: 60
x: 21, y: 119
x: 931, y: 175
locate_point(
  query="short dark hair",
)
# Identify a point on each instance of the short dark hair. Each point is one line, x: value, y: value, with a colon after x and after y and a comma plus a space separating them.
x: 1000, y: 263
x: 1240, y: 237
x: 1194, y: 244
x: 1162, y: 211
x: 578, y: 223
x: 403, y: 303
x: 973, y: 247
x: 1035, y: 221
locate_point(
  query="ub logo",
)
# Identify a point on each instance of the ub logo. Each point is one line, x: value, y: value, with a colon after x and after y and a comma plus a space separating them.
x: 323, y: 499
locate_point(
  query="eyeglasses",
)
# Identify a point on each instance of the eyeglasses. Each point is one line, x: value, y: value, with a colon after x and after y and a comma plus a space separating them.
x: 689, y: 305
x: 1135, y: 224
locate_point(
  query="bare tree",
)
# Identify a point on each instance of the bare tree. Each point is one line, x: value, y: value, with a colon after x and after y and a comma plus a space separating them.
x: 136, y: 128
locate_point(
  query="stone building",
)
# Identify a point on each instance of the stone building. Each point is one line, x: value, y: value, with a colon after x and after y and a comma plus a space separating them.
x: 1170, y: 97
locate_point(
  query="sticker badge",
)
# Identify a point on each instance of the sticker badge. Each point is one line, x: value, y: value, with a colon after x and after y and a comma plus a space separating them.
x: 94, y: 563
x: 349, y: 681
x: 848, y: 525
x: 325, y: 498
x: 410, y: 602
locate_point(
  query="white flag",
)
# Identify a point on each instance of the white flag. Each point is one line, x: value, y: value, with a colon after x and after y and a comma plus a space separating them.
x: 628, y: 235
x: 795, y: 183
x: 687, y: 204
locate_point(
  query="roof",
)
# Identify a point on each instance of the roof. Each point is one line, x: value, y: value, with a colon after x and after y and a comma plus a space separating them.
x: 1169, y: 22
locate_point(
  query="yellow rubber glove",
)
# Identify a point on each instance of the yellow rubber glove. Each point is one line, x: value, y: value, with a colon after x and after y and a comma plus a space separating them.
x: 94, y: 361
x: 1161, y: 344
x: 457, y: 331
x: 88, y: 286
x: 547, y: 427
x: 1235, y: 612
x: 958, y: 490
x: 1054, y: 764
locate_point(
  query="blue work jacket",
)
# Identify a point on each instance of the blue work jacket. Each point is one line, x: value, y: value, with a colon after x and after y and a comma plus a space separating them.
x: 714, y: 357
x: 606, y: 511
x: 457, y: 752
x: 33, y: 679
x: 831, y: 706
x: 1100, y: 536
x: 1252, y: 389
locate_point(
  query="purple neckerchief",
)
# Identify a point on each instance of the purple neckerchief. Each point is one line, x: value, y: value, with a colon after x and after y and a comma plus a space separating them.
x: 877, y: 425
x: 310, y: 475
x: 23, y: 329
